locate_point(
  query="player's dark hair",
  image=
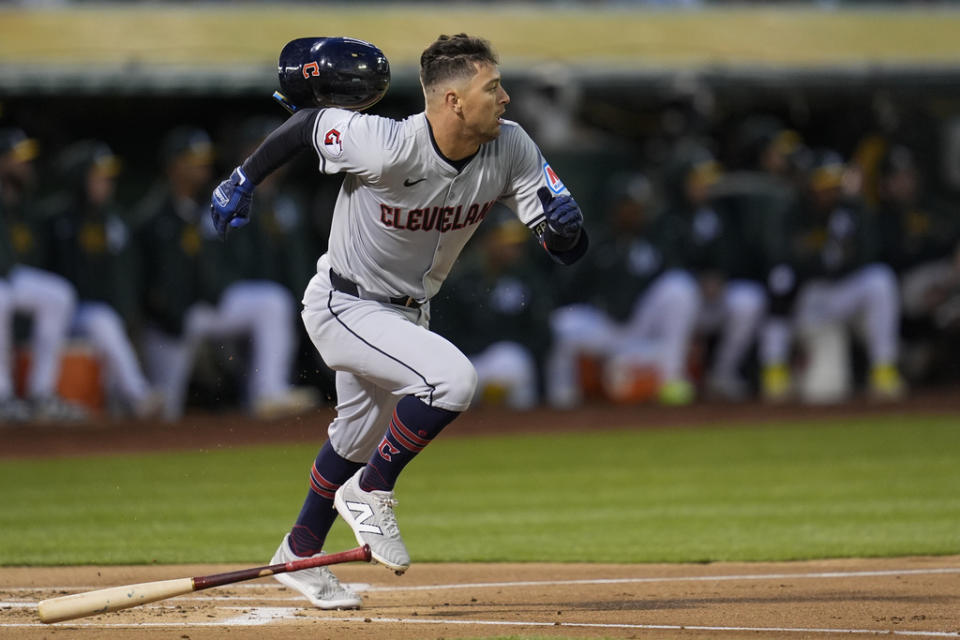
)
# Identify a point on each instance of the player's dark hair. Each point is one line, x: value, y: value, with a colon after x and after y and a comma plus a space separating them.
x: 453, y: 57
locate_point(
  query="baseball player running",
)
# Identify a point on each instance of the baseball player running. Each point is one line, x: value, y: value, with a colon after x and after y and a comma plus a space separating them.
x: 414, y: 193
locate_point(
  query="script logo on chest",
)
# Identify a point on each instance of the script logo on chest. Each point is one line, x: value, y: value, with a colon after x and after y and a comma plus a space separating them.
x: 442, y: 219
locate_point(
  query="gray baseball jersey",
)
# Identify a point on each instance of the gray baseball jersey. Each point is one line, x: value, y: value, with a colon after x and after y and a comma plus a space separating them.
x: 404, y: 213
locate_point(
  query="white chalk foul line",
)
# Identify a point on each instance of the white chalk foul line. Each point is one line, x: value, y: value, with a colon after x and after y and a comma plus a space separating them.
x: 720, y: 578
x: 828, y: 575
x: 260, y: 616
x: 254, y: 617
x: 650, y: 627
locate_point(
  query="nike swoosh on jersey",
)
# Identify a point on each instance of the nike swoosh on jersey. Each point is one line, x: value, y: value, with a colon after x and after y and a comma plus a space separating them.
x: 409, y: 183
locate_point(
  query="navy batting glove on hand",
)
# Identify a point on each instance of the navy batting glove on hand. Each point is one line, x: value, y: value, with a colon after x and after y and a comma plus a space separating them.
x: 230, y: 205
x: 562, y: 212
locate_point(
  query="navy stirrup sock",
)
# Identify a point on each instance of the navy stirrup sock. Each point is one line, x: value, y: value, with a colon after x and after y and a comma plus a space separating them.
x: 329, y: 471
x: 412, y: 427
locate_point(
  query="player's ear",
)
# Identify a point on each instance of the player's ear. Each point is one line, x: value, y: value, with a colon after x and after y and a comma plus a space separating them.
x: 451, y: 100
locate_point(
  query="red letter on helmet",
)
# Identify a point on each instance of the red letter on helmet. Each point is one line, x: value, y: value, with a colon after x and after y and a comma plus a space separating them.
x: 311, y: 69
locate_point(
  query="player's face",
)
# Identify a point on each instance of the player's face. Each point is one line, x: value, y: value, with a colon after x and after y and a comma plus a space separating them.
x: 483, y: 101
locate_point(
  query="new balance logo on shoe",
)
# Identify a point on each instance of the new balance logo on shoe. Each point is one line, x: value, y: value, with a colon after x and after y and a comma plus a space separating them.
x: 361, y: 513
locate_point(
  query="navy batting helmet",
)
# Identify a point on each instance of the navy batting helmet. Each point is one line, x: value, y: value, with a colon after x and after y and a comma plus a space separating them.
x: 333, y: 72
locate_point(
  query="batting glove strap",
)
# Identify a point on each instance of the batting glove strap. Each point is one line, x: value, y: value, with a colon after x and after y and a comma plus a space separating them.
x: 230, y: 204
x: 573, y: 253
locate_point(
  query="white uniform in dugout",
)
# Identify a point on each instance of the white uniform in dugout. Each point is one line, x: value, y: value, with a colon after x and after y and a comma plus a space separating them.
x: 403, y: 215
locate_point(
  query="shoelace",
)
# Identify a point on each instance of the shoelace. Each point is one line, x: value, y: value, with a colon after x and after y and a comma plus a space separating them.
x: 332, y: 581
x: 387, y: 503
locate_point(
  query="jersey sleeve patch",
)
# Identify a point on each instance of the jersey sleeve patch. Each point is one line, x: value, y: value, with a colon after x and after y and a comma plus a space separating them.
x: 332, y: 145
x: 553, y: 180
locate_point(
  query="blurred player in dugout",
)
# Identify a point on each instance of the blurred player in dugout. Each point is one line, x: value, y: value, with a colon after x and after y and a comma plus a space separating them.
x: 653, y: 283
x: 28, y: 289
x: 825, y: 276
x: 495, y: 307
x: 92, y: 248
x: 715, y: 245
x: 193, y: 294
x: 621, y: 311
x: 920, y: 240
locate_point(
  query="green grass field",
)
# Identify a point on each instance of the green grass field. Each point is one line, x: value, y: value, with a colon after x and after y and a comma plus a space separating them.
x: 865, y: 487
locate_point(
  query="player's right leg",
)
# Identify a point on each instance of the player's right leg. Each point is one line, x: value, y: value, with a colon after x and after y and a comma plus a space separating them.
x: 359, y: 403
x: 318, y: 584
x: 871, y: 297
x: 12, y: 409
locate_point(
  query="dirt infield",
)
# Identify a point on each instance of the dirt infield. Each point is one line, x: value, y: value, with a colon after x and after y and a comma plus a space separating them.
x: 919, y: 597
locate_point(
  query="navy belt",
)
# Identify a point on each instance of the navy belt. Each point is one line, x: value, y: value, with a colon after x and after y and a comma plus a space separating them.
x: 350, y: 288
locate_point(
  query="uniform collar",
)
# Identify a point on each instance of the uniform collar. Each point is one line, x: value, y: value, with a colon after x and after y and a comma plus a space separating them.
x: 457, y: 165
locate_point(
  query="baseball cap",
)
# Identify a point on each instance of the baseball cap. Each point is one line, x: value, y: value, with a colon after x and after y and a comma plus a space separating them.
x: 827, y: 171
x: 80, y: 157
x: 188, y: 143
x: 14, y: 141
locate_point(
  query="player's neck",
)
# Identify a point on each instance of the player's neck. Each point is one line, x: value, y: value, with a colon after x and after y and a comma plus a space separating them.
x: 450, y: 138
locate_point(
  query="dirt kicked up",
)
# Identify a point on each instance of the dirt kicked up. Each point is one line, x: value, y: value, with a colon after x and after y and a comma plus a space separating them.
x: 916, y: 597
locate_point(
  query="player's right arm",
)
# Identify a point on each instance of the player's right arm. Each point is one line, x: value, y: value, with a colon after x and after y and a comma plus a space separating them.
x: 343, y: 140
x: 230, y: 205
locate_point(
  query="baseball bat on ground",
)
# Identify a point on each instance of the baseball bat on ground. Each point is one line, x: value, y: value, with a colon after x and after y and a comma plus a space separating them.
x: 91, y: 603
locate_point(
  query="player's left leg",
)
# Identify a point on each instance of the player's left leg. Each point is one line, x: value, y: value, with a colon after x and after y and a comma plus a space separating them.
x: 507, y: 373
x: 743, y: 307
x: 104, y: 327
x: 577, y: 330
x: 265, y: 311
x: 50, y: 300
x: 667, y: 313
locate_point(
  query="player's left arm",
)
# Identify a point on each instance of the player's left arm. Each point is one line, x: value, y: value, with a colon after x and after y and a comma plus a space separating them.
x: 542, y: 202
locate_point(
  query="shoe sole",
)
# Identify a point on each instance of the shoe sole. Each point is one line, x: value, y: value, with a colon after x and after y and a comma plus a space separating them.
x: 344, y: 512
x: 327, y: 605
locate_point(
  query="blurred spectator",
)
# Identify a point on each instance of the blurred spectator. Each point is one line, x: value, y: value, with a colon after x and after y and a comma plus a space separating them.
x: 828, y: 276
x: 191, y: 294
x: 921, y: 241
x: 28, y: 288
x: 624, y: 312
x: 496, y: 312
x: 703, y: 237
x: 92, y: 249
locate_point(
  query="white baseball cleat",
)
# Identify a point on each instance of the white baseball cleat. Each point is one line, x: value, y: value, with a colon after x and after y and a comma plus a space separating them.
x: 370, y: 515
x: 319, y: 584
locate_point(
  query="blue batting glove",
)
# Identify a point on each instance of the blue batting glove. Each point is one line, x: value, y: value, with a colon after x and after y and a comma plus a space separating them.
x: 562, y: 212
x: 230, y: 204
